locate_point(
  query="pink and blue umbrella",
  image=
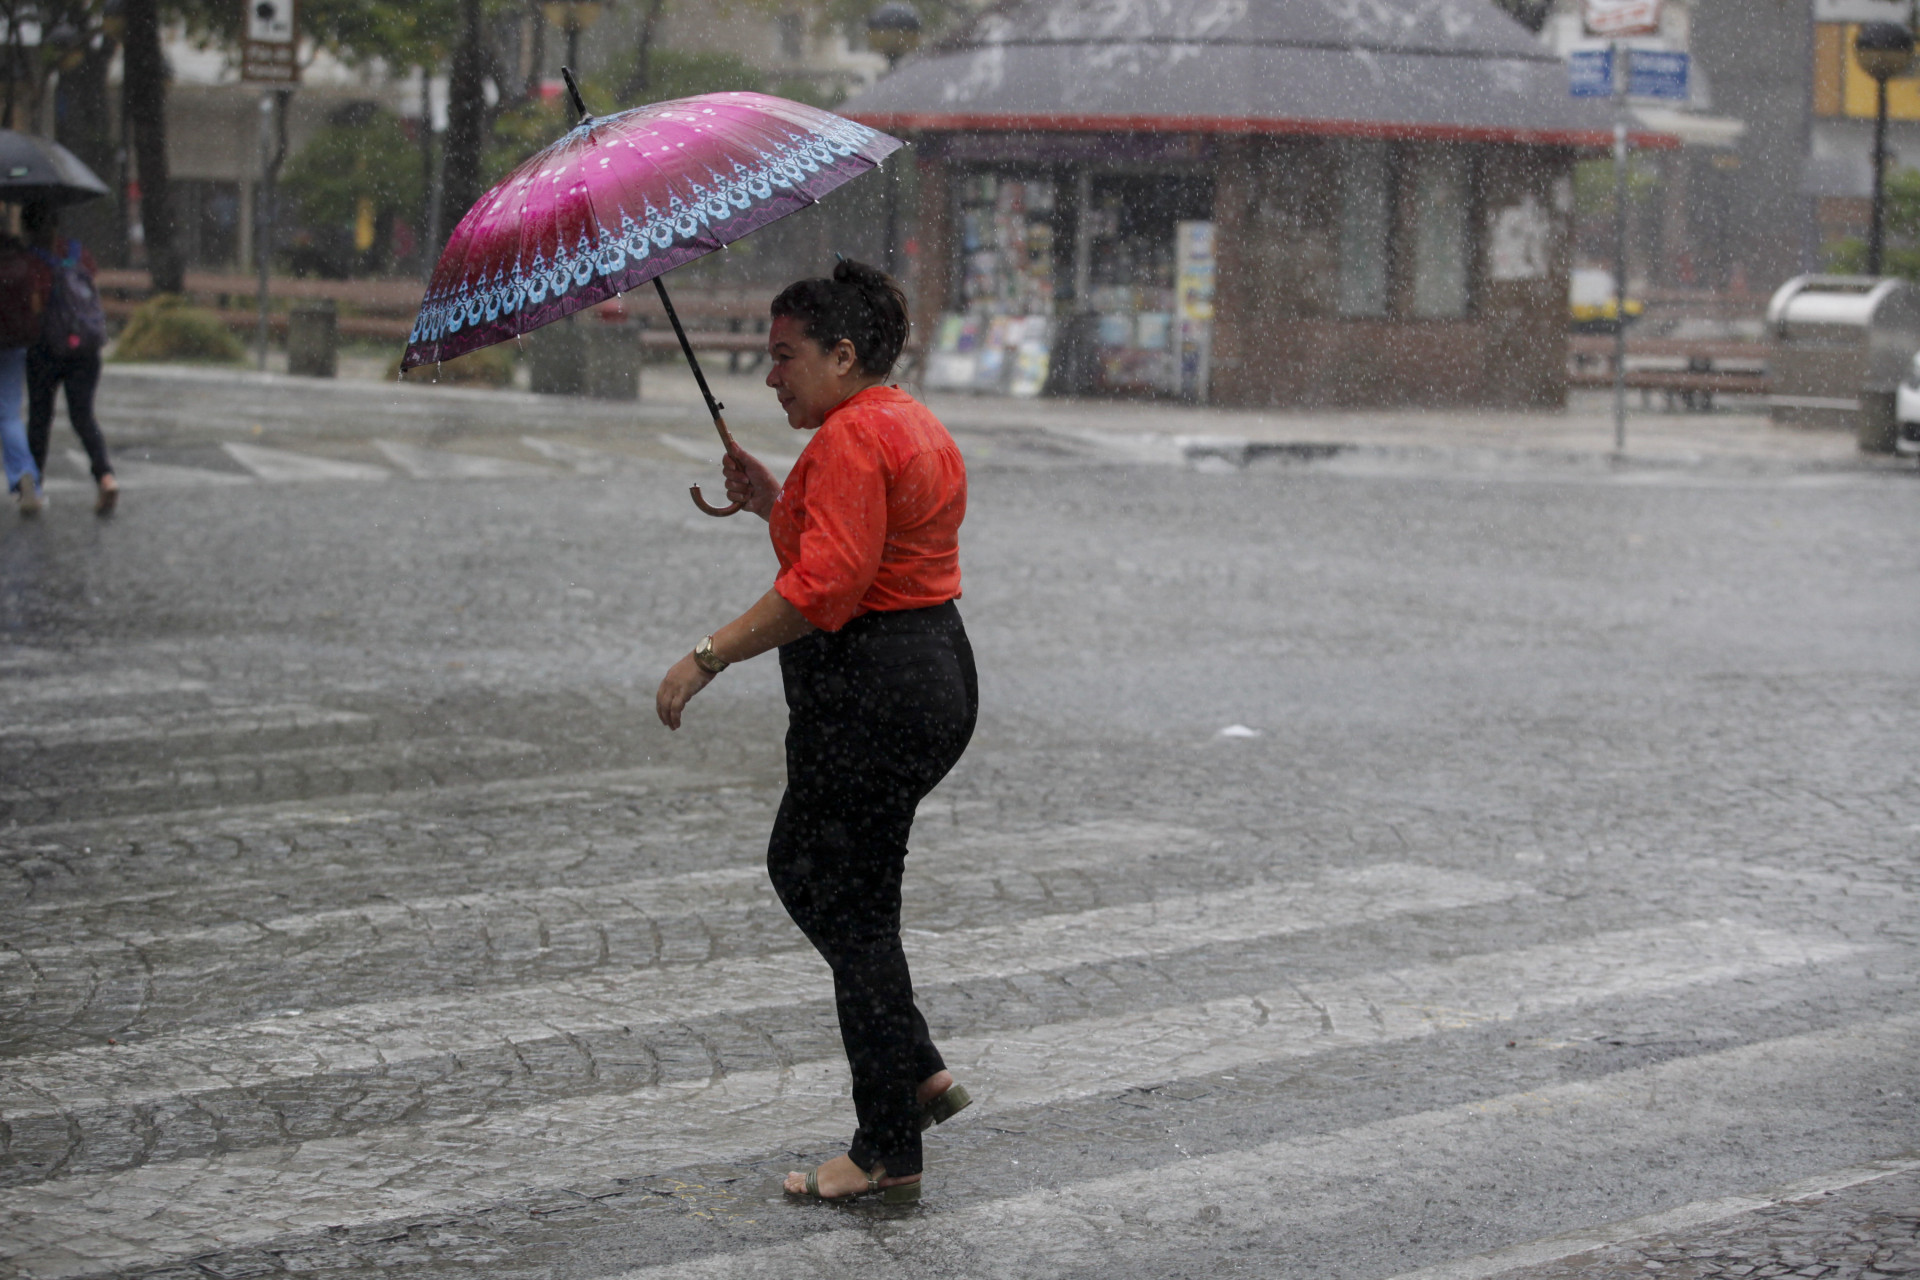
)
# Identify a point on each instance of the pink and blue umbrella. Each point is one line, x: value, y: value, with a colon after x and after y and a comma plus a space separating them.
x: 623, y: 199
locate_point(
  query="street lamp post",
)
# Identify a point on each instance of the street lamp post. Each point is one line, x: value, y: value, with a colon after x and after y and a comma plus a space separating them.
x: 893, y: 31
x: 1883, y: 50
x: 572, y: 17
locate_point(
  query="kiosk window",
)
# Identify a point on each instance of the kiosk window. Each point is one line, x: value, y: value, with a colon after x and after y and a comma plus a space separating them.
x: 1366, y: 226
x: 1442, y: 243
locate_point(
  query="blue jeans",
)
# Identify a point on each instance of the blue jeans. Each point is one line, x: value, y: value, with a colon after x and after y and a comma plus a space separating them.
x: 13, y: 425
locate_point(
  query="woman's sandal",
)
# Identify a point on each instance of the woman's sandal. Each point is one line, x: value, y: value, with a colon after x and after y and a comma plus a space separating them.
x: 899, y: 1193
x: 944, y: 1106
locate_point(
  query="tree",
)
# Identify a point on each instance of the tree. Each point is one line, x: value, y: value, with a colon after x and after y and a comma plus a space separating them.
x: 360, y: 166
x: 144, y: 97
x: 466, y: 116
x: 1902, y: 256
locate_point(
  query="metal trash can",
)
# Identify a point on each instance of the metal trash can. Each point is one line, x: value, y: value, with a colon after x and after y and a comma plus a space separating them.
x: 613, y: 360
x: 584, y: 355
x: 313, y: 338
x: 1841, y: 346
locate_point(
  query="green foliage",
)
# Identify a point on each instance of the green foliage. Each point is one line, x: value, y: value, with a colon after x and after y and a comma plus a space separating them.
x: 1593, y: 183
x: 167, y: 328
x: 365, y: 155
x: 487, y: 367
x: 1902, y: 256
x: 677, y: 74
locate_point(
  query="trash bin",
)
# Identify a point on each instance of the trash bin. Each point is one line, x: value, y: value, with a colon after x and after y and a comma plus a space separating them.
x: 313, y: 339
x: 612, y: 359
x: 1841, y: 346
x: 557, y: 358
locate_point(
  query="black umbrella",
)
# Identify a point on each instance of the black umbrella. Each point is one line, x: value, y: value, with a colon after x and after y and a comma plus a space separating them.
x: 40, y: 169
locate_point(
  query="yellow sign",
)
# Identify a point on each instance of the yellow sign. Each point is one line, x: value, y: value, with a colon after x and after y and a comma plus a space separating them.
x: 1841, y: 88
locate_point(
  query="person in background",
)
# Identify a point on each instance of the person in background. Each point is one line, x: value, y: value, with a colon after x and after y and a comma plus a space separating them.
x: 19, y: 329
x: 73, y: 329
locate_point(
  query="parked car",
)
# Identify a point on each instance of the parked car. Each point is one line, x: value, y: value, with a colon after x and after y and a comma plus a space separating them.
x: 1906, y: 410
x: 1590, y: 301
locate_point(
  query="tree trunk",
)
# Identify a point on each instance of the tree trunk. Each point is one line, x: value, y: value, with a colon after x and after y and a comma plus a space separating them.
x: 639, y: 85
x: 466, y: 118
x: 534, y: 45
x: 84, y: 126
x: 145, y: 111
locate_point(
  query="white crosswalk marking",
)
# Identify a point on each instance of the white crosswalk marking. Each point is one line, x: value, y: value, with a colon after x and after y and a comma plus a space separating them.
x: 135, y: 474
x: 1088, y: 846
x: 170, y: 1209
x: 437, y: 464
x: 1263, y: 1188
x: 386, y: 1033
x: 283, y: 466
x: 584, y: 461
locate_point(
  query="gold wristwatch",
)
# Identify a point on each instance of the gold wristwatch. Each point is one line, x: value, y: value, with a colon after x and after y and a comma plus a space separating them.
x: 706, y: 659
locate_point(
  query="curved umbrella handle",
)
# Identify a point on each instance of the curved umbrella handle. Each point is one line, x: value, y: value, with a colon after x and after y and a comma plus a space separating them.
x: 726, y: 439
x: 708, y: 507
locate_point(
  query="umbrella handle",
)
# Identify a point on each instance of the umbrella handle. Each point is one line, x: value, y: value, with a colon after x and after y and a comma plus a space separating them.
x: 726, y: 438
x: 708, y: 507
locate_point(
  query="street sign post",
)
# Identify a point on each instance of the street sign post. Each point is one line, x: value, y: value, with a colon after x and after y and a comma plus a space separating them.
x: 1656, y: 73
x: 1592, y: 73
x: 267, y: 54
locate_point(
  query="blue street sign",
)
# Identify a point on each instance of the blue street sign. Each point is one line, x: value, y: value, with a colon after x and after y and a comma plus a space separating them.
x: 1592, y: 73
x: 1652, y: 73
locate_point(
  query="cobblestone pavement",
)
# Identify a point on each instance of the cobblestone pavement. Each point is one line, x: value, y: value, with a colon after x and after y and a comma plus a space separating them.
x: 1425, y: 863
x: 1868, y: 1230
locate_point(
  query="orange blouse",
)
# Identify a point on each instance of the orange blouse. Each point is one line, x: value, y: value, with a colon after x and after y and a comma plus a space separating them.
x: 869, y: 518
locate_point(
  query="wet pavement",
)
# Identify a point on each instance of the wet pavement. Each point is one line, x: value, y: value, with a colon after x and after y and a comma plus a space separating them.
x: 1450, y: 857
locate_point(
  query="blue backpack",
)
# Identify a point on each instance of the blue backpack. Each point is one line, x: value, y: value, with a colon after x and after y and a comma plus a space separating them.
x: 74, y: 320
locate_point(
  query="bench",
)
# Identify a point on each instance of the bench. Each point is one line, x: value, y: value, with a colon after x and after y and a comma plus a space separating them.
x: 1708, y: 367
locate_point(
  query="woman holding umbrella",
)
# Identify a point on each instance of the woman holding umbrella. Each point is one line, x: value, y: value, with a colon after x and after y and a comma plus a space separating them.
x: 880, y: 687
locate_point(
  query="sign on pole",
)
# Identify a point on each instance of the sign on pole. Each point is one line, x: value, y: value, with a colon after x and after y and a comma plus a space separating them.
x: 267, y: 52
x: 1592, y: 72
x: 1651, y: 73
x: 1656, y: 73
x: 1616, y: 18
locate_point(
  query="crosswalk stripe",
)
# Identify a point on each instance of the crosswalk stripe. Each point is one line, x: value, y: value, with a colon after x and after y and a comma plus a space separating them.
x: 184, y: 1206
x: 584, y: 461
x: 434, y: 464
x: 1258, y: 1191
x: 245, y: 767
x: 96, y: 687
x: 1091, y: 845
x: 283, y: 466
x: 290, y: 716
x: 710, y: 451
x: 135, y: 474
x: 1688, y: 1217
x: 385, y: 1033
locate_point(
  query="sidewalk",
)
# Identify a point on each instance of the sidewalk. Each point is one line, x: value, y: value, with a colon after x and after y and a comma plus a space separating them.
x: 1175, y: 434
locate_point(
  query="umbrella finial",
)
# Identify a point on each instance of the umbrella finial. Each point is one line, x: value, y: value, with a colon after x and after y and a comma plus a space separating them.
x: 573, y: 92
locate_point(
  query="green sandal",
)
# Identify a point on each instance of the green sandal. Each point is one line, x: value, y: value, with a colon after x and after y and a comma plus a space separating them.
x: 944, y: 1107
x: 901, y: 1193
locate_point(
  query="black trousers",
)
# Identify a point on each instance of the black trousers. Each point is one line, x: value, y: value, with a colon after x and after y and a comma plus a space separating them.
x: 879, y: 711
x: 80, y: 371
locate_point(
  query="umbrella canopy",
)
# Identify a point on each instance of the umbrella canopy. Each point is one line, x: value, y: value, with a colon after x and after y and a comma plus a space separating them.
x: 620, y: 200
x: 40, y: 169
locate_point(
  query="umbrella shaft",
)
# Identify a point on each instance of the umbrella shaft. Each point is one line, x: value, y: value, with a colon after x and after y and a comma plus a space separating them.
x: 713, y: 406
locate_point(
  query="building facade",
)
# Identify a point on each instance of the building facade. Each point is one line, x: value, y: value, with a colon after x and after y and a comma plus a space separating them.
x: 1255, y: 202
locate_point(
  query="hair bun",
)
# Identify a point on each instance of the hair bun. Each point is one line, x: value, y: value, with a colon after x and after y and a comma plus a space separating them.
x: 860, y: 274
x: 861, y: 303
